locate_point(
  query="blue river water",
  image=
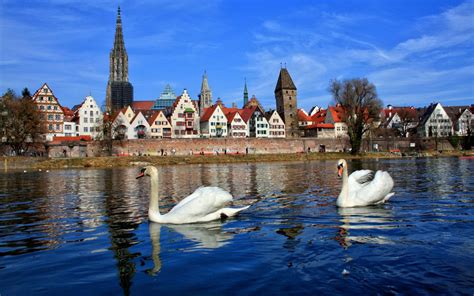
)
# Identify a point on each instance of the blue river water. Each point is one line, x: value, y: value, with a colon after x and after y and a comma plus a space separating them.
x: 86, y: 232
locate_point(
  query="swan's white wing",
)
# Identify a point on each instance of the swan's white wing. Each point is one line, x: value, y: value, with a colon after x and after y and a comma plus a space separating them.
x: 203, y: 201
x: 376, y: 190
x: 360, y: 178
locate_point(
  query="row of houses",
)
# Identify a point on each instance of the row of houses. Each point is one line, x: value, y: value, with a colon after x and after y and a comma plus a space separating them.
x: 183, y: 119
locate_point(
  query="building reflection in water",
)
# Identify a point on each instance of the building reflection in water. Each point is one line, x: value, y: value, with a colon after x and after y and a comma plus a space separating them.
x: 124, y: 211
x: 363, y: 220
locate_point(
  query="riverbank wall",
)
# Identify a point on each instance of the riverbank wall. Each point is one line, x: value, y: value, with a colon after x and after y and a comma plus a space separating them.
x: 216, y: 146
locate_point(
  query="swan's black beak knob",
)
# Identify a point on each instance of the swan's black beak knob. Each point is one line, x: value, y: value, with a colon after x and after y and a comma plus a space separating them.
x: 142, y: 174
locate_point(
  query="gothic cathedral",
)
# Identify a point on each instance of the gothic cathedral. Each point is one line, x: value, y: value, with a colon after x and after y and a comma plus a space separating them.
x: 119, y: 90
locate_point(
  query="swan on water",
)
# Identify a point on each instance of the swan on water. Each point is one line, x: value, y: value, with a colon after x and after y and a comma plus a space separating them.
x: 363, y: 188
x: 205, y: 204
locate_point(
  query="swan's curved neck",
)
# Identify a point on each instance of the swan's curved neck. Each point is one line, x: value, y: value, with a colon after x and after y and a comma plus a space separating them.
x: 154, y: 202
x: 345, y: 185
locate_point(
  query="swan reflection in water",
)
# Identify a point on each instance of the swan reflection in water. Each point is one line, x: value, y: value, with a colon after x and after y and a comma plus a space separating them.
x: 365, y: 219
x: 205, y: 235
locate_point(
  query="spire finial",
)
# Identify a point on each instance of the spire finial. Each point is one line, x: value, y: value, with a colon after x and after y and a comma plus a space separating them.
x: 281, y: 65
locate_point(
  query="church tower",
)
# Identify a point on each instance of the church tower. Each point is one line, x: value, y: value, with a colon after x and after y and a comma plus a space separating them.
x: 119, y: 90
x: 205, y: 97
x: 285, y: 95
x: 246, y: 93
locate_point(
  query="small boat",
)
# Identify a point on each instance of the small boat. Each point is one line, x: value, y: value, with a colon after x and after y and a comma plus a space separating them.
x: 467, y: 157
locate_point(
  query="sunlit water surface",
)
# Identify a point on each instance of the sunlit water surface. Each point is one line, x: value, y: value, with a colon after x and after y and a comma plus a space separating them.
x: 86, y: 232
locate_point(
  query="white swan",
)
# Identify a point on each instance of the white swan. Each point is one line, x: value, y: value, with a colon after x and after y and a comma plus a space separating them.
x: 363, y: 188
x: 205, y: 204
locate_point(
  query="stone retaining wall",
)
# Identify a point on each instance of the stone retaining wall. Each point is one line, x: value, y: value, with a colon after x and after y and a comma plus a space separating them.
x: 240, y: 146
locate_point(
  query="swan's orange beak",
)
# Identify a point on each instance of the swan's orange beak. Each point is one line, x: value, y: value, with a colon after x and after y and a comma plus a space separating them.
x: 339, y: 170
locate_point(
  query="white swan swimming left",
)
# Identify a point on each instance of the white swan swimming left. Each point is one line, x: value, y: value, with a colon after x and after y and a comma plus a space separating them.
x: 205, y: 204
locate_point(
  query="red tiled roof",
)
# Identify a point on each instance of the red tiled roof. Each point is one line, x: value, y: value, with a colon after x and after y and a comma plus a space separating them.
x: 142, y: 105
x: 320, y: 125
x: 319, y: 117
x: 208, y: 113
x: 302, y: 116
x: 337, y: 113
x: 153, y: 117
x: 76, y: 138
x: 230, y: 115
x: 246, y: 113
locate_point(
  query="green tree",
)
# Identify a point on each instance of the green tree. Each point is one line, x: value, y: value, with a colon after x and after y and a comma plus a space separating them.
x: 358, y: 97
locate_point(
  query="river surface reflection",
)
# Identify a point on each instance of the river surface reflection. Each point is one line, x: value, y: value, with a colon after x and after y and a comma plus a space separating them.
x: 83, y: 231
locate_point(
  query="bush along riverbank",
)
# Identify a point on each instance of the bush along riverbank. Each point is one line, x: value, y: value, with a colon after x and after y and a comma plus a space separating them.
x: 12, y: 163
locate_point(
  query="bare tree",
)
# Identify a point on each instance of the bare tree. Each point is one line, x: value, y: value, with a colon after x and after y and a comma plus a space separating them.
x: 358, y: 97
x: 20, y: 122
x: 109, y: 130
x: 407, y: 120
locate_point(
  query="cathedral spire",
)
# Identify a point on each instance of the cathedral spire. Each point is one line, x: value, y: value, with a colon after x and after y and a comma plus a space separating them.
x: 119, y: 90
x: 205, y: 97
x: 246, y: 93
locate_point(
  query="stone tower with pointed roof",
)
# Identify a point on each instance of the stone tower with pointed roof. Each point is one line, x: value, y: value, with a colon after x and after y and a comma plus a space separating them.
x: 285, y: 95
x: 119, y: 90
x: 205, y: 97
x: 246, y: 93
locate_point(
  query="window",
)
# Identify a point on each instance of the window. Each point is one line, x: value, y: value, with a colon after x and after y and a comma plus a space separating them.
x: 50, y: 127
x: 85, y: 112
x: 58, y: 126
x: 67, y: 127
x: 41, y: 107
x: 49, y: 99
x: 45, y: 90
x: 49, y: 107
x: 91, y: 113
x: 86, y: 129
x: 97, y: 120
x: 55, y: 107
x: 86, y: 120
x: 58, y: 117
x: 50, y: 117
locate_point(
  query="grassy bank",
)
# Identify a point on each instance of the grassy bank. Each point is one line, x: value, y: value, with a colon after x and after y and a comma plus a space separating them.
x: 126, y: 161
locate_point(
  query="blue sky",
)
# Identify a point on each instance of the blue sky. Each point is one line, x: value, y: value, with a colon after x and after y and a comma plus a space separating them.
x: 415, y: 52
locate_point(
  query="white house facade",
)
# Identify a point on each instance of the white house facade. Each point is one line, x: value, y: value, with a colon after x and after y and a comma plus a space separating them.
x: 89, y: 117
x: 276, y: 126
x: 236, y: 126
x: 160, y: 127
x: 435, y: 122
x: 184, y: 118
x: 214, y: 122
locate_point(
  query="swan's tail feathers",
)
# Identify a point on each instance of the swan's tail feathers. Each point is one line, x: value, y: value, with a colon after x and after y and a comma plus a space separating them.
x: 229, y: 212
x: 386, y: 198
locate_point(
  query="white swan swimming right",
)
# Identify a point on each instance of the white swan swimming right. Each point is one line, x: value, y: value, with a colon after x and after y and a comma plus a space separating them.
x: 363, y: 188
x: 204, y: 205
